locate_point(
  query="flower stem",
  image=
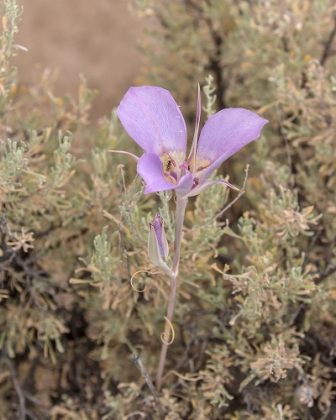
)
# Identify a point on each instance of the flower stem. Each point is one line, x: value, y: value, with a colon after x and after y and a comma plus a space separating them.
x: 181, y: 204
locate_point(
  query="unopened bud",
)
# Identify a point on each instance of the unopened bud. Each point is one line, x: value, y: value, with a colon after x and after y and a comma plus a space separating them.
x: 157, y: 242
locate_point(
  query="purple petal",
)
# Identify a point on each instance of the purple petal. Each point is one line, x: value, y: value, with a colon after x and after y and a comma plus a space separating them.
x: 185, y: 184
x: 158, y: 226
x: 207, y: 184
x: 225, y: 133
x: 152, y: 118
x: 150, y: 168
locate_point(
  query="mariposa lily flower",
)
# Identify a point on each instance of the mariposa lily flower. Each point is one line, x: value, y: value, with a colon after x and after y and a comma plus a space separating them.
x: 154, y: 121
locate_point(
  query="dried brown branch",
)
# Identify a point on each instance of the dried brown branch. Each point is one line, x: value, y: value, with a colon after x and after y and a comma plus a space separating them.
x: 327, y: 48
x: 140, y: 366
x: 22, y: 411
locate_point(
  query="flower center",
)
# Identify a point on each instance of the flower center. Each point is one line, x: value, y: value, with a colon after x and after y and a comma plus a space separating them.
x: 172, y: 166
x: 175, y: 166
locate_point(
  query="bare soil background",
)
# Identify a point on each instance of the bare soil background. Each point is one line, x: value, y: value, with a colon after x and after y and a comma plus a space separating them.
x: 96, y: 38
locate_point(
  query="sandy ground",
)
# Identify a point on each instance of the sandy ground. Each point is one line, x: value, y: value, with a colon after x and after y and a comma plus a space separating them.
x: 94, y: 37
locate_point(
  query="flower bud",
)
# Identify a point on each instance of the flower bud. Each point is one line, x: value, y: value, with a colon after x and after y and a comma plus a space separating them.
x: 157, y: 242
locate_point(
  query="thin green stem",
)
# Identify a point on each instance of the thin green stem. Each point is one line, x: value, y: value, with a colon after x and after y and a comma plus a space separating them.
x: 181, y: 204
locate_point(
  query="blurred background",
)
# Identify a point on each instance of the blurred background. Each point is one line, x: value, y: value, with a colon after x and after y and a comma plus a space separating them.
x: 97, y: 39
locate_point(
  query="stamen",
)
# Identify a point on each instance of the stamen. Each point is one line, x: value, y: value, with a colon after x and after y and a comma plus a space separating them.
x: 184, y: 165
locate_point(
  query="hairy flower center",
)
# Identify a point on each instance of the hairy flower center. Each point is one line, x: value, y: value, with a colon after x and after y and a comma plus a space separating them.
x: 171, y: 166
x: 198, y: 165
x: 175, y: 166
